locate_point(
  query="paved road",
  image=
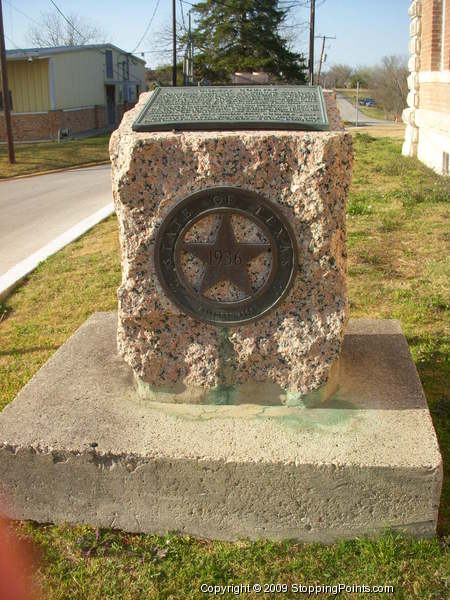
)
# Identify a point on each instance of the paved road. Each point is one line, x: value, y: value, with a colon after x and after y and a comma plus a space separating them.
x: 348, y: 113
x: 36, y: 210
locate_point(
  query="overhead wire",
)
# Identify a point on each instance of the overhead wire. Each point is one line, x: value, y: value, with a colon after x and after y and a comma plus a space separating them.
x: 66, y: 19
x: 13, y: 43
x: 21, y: 12
x: 147, y: 28
x: 98, y: 49
x: 182, y: 15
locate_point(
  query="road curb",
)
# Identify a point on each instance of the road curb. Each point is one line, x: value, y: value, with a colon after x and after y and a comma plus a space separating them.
x: 14, y: 276
x: 62, y: 170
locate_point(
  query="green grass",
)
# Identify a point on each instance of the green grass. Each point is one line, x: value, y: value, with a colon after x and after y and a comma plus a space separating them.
x: 78, y: 564
x: 398, y: 268
x: 46, y: 156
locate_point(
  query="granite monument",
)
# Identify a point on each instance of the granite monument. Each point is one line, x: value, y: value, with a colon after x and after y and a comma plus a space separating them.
x: 231, y: 396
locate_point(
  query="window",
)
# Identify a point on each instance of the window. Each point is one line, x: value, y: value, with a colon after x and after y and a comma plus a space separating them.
x: 109, y: 64
x: 129, y: 93
x: 125, y: 70
x: 10, y: 101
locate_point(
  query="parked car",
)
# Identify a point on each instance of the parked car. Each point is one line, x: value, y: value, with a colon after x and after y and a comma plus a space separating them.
x: 370, y: 102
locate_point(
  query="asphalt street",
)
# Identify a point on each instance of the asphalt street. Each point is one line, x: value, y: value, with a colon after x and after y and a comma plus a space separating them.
x: 36, y: 210
x: 348, y: 113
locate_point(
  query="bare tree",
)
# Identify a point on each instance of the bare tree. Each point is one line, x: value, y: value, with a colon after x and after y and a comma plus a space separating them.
x: 338, y: 76
x: 389, y: 84
x: 54, y: 30
x: 161, y: 43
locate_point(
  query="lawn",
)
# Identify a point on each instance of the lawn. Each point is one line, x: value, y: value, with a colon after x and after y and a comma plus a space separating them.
x: 47, y: 156
x: 398, y: 237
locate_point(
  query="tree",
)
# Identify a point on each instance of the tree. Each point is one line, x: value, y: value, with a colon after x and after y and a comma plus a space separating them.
x: 54, y: 30
x: 338, y: 76
x: 389, y: 84
x: 363, y: 75
x: 162, y: 75
x: 243, y: 35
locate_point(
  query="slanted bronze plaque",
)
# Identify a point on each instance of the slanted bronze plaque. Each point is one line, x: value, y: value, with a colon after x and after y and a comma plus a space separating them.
x: 234, y: 107
x: 225, y: 255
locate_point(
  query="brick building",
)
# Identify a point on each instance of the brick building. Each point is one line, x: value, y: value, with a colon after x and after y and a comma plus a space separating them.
x: 76, y: 87
x: 428, y: 114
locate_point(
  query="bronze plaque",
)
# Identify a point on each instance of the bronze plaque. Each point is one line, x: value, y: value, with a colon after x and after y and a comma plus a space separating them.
x: 234, y: 107
x: 225, y: 255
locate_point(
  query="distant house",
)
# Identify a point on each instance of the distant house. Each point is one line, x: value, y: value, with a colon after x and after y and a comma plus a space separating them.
x: 428, y: 114
x: 76, y: 87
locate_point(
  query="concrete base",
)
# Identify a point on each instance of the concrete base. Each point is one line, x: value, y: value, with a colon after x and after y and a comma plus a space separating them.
x: 78, y: 444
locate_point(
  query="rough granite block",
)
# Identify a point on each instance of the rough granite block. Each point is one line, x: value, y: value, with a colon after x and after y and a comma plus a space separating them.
x: 306, y: 175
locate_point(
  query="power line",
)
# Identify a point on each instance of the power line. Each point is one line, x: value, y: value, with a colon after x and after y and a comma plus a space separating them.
x: 21, y: 12
x: 13, y: 42
x: 182, y: 15
x: 147, y: 28
x: 98, y: 50
x: 66, y: 19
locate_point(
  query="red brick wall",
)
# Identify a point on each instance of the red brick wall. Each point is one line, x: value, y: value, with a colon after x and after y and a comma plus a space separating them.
x: 100, y: 117
x: 430, y: 53
x: 28, y: 127
x: 44, y: 126
x: 79, y: 120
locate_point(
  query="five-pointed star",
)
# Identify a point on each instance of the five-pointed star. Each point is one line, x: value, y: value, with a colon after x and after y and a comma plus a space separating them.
x: 226, y: 258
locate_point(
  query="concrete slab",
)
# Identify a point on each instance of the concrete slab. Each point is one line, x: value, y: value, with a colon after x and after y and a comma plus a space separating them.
x: 79, y: 445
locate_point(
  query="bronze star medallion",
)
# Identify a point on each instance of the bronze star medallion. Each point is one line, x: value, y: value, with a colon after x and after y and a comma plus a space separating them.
x: 225, y: 256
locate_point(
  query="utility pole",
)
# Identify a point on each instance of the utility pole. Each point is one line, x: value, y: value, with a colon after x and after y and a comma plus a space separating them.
x: 5, y: 90
x: 188, y: 63
x: 324, y: 38
x: 357, y: 103
x: 312, y: 18
x: 174, y: 35
x: 191, y: 50
x: 188, y: 67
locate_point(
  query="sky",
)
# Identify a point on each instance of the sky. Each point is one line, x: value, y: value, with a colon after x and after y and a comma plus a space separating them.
x: 365, y: 30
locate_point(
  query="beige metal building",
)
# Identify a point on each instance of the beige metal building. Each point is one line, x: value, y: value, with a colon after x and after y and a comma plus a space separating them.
x: 75, y: 87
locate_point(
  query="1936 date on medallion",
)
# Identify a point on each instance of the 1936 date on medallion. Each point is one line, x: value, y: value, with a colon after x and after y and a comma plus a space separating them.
x: 225, y: 255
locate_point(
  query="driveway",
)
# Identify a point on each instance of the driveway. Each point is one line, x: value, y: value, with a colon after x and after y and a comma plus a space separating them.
x: 34, y: 211
x: 348, y: 113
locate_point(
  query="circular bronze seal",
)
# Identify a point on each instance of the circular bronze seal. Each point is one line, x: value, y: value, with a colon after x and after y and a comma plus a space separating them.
x: 225, y: 255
